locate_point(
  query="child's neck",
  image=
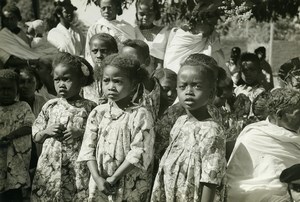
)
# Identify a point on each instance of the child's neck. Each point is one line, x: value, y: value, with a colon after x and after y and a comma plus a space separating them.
x: 124, y: 103
x: 200, y: 114
x: 142, y: 27
x: 74, y: 98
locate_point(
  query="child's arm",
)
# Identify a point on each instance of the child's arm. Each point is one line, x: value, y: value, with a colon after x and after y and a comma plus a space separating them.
x: 208, y: 192
x: 124, y: 168
x: 51, y: 131
x: 20, y: 132
x: 102, y: 184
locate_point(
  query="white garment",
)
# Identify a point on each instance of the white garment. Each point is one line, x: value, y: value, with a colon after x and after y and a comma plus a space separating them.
x: 181, y: 44
x: 262, y: 151
x: 67, y: 40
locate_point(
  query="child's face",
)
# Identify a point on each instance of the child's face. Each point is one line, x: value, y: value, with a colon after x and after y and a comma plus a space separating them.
x: 27, y: 84
x: 8, y: 91
x: 67, y: 82
x: 293, y: 80
x: 99, y: 50
x: 145, y: 15
x: 250, y: 74
x: 116, y: 84
x: 108, y: 9
x: 10, y: 20
x: 169, y: 89
x: 291, y: 119
x: 193, y: 87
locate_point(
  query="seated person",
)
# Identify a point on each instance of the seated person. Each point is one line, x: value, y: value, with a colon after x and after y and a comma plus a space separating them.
x: 291, y: 176
x: 264, y: 149
x: 289, y: 74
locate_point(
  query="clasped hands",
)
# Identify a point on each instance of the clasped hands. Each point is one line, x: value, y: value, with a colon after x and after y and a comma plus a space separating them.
x: 61, y: 132
x: 106, y: 185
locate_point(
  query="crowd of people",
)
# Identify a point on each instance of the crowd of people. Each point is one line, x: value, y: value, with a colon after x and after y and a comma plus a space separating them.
x: 144, y: 113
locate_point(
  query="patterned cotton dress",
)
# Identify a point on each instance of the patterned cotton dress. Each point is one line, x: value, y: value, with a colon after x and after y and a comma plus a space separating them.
x: 58, y: 176
x: 113, y: 135
x: 15, y: 158
x: 195, y: 155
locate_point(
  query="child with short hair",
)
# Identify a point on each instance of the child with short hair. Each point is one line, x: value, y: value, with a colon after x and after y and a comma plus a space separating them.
x: 194, y: 163
x: 264, y: 149
x: 101, y: 45
x: 16, y: 119
x: 119, y: 137
x: 60, y: 127
x: 155, y: 36
x: 251, y: 76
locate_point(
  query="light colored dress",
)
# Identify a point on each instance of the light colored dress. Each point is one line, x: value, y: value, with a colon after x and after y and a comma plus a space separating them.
x: 195, y: 155
x: 67, y: 40
x: 58, y: 176
x: 262, y: 151
x: 15, y: 158
x: 112, y: 136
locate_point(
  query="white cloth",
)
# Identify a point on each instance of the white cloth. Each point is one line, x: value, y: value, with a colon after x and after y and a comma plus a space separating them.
x: 158, y: 46
x: 181, y: 44
x: 262, y: 151
x: 120, y: 30
x: 67, y: 40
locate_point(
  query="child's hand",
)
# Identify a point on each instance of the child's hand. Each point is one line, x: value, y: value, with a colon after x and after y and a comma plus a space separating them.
x: 104, y: 186
x: 54, y: 130
x: 72, y: 133
x: 111, y: 180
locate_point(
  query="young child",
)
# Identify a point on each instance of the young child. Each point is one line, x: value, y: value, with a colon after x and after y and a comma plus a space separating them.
x: 121, y: 30
x: 289, y: 74
x: 65, y: 37
x: 101, y: 45
x: 194, y: 163
x: 251, y: 76
x: 155, y: 36
x: 16, y: 120
x: 60, y: 127
x: 264, y: 149
x: 119, y: 137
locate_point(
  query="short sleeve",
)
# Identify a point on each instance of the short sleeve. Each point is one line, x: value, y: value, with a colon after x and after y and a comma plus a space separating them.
x: 28, y: 115
x: 213, y: 155
x: 89, y: 143
x: 142, y: 146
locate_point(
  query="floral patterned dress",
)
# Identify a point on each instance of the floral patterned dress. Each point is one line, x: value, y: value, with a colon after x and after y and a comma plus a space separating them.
x: 195, y: 155
x: 58, y: 176
x: 15, y: 157
x: 113, y: 135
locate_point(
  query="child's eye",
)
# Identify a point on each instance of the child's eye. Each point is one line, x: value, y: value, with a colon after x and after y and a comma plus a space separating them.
x: 181, y: 87
x: 105, y: 80
x: 197, y: 86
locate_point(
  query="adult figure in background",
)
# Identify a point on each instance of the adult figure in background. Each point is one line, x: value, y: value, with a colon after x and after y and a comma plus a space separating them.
x: 289, y: 73
x: 198, y: 35
x: 65, y: 37
x: 266, y: 68
x: 120, y: 30
x: 232, y: 64
x: 15, y: 50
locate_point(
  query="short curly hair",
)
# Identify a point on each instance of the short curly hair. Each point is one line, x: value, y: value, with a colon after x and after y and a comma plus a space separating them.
x: 9, y: 74
x: 165, y: 73
x: 76, y: 63
x: 283, y: 99
x: 126, y: 63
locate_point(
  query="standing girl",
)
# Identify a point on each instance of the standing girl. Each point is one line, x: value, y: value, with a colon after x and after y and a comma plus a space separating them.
x: 119, y: 138
x: 16, y: 120
x: 60, y: 127
x: 155, y: 36
x: 194, y: 163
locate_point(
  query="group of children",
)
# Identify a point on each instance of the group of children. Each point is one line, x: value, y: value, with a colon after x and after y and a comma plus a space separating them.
x: 113, y: 130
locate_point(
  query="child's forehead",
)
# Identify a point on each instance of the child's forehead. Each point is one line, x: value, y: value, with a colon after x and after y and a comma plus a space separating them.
x: 106, y: 2
x: 7, y: 81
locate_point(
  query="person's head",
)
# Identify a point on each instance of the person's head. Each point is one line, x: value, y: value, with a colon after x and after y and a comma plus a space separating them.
x: 197, y: 81
x: 260, y: 52
x: 168, y: 81
x: 250, y: 69
x: 259, y: 105
x: 289, y: 73
x: 71, y: 73
x: 291, y: 176
x: 224, y: 91
x: 147, y: 12
x: 121, y: 76
x: 36, y: 28
x: 64, y: 11
x: 110, y: 9
x: 138, y: 49
x: 11, y: 16
x: 102, y: 45
x: 9, y: 86
x: 29, y: 82
x: 284, y: 108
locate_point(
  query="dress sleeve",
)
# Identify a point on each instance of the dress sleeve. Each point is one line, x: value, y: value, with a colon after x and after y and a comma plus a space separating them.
x: 213, y: 155
x: 41, y: 121
x: 142, y: 145
x: 89, y: 143
x: 28, y: 116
